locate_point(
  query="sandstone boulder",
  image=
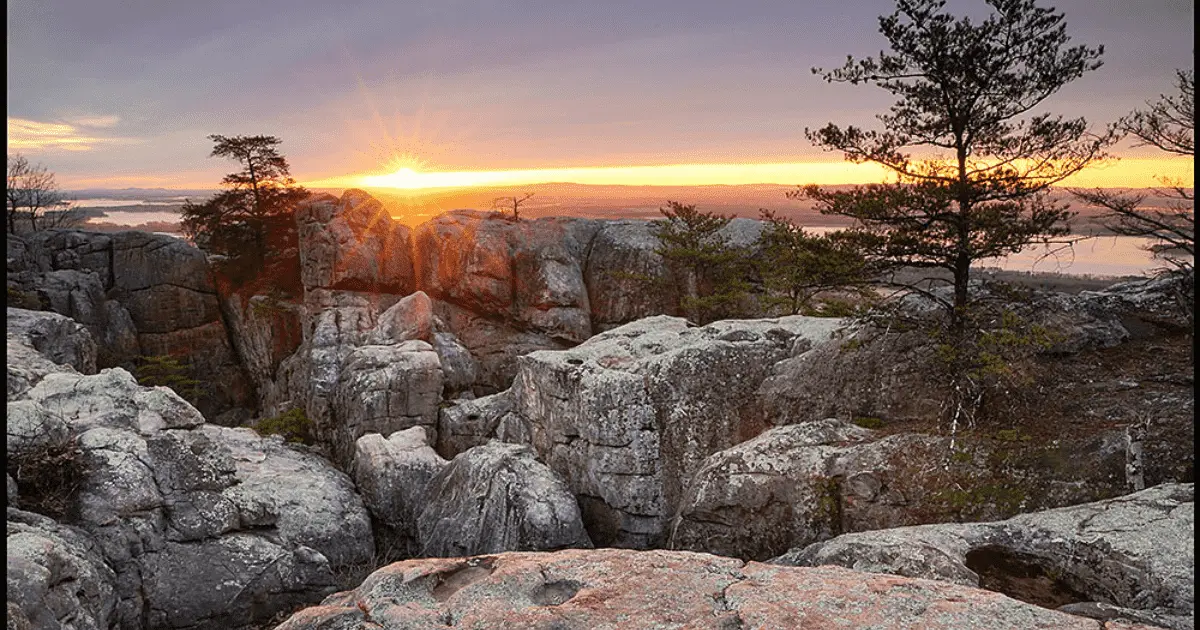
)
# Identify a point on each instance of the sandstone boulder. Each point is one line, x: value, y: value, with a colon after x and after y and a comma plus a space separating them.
x: 498, y: 497
x: 615, y: 588
x: 57, y: 577
x: 622, y: 266
x: 392, y: 475
x: 1133, y: 555
x: 469, y: 423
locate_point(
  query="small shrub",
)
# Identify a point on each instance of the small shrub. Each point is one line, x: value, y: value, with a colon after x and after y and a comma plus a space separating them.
x: 167, y: 371
x: 293, y: 425
x: 29, y: 300
x: 48, y: 477
x: 868, y: 422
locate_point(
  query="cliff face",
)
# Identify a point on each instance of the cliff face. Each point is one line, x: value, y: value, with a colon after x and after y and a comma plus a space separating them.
x: 139, y: 295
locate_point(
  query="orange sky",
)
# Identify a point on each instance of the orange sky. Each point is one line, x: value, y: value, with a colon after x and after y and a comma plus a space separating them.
x: 1130, y: 172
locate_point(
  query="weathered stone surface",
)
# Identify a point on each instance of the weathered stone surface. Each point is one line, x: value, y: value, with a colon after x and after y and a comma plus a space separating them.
x: 613, y: 588
x: 459, y: 369
x: 265, y: 330
x: 392, y: 475
x: 56, y: 576
x: 410, y: 318
x: 26, y: 367
x: 353, y: 244
x: 498, y: 497
x: 139, y: 294
x: 629, y: 415
x: 803, y: 483
x: 622, y: 265
x: 1135, y: 552
x: 469, y: 423
x: 383, y: 389
x: 202, y: 526
x: 60, y: 339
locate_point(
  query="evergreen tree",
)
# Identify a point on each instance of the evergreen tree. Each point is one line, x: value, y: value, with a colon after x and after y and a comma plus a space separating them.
x: 710, y: 271
x: 796, y: 265
x: 252, y: 218
x: 965, y: 95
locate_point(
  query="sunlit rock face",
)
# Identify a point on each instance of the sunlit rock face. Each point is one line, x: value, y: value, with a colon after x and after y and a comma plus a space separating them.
x: 352, y: 244
x: 138, y: 294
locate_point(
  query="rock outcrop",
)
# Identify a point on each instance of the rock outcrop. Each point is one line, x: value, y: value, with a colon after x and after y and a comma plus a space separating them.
x: 352, y: 244
x: 629, y: 415
x: 498, y: 497
x: 614, y: 588
x: 139, y: 294
x: 803, y: 483
x: 1131, y: 557
x: 200, y: 526
x: 392, y: 475
x: 57, y: 337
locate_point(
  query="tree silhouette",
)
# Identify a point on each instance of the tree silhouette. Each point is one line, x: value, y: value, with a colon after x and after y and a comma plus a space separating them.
x: 512, y: 203
x: 253, y: 218
x: 32, y: 195
x: 965, y: 95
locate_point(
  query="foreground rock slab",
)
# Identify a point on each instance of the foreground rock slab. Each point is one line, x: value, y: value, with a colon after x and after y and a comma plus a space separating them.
x: 1134, y: 555
x: 611, y: 588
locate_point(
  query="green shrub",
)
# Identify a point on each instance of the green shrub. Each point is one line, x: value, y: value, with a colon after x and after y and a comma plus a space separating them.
x: 24, y: 299
x: 293, y: 425
x: 868, y: 422
x: 167, y: 371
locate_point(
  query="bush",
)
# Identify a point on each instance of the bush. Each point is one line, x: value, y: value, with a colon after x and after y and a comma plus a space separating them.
x: 293, y: 425
x: 48, y: 477
x: 24, y: 299
x: 167, y: 371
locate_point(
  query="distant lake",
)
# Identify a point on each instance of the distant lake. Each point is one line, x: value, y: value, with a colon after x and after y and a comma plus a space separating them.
x: 136, y: 217
x: 115, y: 203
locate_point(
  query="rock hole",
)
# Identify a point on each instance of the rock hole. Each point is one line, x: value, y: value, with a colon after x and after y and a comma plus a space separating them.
x: 575, y: 361
x: 1022, y: 576
x: 454, y: 581
x: 555, y: 593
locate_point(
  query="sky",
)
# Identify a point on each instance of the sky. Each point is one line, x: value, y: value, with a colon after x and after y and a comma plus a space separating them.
x: 117, y: 94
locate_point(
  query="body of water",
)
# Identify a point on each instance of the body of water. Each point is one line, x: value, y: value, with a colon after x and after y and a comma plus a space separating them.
x: 115, y: 203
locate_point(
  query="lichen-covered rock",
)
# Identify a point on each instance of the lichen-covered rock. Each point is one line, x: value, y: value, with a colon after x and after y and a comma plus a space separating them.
x: 353, y: 244
x: 201, y: 526
x: 392, y: 474
x: 459, y: 368
x: 498, y: 497
x: 1135, y: 553
x: 26, y: 367
x: 57, y: 577
x: 383, y: 389
x: 618, y: 588
x: 408, y: 319
x: 629, y: 415
x: 624, y: 274
x: 469, y: 423
x: 58, y: 338
x: 799, y: 484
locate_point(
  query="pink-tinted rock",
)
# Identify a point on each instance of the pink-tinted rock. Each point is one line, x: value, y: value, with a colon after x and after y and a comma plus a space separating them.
x: 612, y: 588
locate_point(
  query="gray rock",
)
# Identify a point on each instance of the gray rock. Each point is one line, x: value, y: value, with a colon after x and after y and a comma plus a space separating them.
x: 26, y: 367
x: 622, y: 275
x: 56, y: 576
x: 498, y: 497
x: 60, y: 339
x: 383, y: 389
x: 409, y: 319
x: 392, y: 475
x: 459, y: 369
x: 629, y: 415
x: 469, y: 423
x: 1134, y: 552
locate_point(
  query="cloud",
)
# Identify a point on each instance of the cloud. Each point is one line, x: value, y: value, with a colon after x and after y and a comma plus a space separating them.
x: 34, y: 135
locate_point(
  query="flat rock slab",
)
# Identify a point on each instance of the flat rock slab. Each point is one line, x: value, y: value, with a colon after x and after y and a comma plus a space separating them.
x: 614, y: 588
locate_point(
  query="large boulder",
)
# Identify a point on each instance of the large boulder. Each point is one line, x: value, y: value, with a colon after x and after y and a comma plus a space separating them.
x: 799, y: 484
x: 58, y: 338
x: 620, y: 588
x: 353, y: 244
x: 202, y: 526
x: 622, y: 274
x: 57, y: 577
x: 498, y: 497
x: 392, y: 475
x: 629, y: 415
x: 1130, y: 557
